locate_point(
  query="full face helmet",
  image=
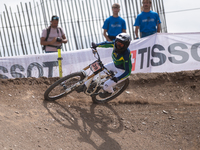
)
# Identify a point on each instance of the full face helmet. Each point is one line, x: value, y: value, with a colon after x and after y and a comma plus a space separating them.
x: 122, y: 42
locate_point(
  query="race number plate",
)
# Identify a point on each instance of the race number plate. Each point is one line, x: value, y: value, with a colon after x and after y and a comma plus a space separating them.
x: 95, y: 67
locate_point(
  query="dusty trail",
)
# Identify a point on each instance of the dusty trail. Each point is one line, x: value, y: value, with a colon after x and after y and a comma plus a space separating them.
x: 157, y: 111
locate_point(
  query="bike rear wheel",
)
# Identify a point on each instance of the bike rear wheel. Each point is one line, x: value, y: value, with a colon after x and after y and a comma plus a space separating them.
x: 118, y: 89
x: 59, y: 88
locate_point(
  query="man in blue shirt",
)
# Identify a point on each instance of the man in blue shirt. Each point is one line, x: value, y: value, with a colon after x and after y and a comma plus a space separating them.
x: 114, y: 24
x: 148, y: 22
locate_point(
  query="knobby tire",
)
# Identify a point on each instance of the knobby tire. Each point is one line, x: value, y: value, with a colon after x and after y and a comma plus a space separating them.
x: 60, y: 86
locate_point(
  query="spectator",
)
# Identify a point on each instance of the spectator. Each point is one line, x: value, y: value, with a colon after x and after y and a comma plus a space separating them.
x: 53, y: 36
x: 114, y: 24
x: 148, y: 22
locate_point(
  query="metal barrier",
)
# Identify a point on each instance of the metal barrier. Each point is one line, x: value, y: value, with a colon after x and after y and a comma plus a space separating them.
x: 81, y: 20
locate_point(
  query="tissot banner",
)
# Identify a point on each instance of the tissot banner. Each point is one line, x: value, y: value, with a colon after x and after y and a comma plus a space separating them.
x: 167, y: 53
x: 161, y: 52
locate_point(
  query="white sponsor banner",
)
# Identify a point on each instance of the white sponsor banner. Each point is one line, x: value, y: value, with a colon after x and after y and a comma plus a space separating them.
x: 165, y: 52
x: 47, y: 64
x: 161, y: 52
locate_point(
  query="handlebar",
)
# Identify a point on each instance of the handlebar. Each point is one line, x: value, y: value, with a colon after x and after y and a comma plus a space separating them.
x: 94, y: 51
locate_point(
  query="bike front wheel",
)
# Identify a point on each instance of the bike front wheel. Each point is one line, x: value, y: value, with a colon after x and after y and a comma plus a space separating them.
x: 63, y: 86
x: 118, y: 89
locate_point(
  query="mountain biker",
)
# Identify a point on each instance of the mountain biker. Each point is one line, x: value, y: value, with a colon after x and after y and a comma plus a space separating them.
x: 121, y: 64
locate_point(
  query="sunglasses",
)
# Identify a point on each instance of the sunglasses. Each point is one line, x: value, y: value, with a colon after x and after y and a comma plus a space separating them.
x: 55, y: 18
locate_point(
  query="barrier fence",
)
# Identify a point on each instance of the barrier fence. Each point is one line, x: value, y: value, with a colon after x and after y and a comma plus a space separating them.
x: 81, y: 20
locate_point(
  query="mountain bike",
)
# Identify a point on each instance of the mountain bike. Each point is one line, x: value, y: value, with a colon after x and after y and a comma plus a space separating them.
x: 94, y: 82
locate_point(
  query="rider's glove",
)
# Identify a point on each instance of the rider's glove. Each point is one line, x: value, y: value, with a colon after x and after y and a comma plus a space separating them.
x: 115, y: 79
x: 94, y: 45
x: 94, y: 51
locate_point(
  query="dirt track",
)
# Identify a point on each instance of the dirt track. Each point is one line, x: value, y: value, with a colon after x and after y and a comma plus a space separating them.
x: 157, y: 111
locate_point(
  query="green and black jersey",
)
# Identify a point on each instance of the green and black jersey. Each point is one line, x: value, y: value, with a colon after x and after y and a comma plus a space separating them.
x: 121, y: 61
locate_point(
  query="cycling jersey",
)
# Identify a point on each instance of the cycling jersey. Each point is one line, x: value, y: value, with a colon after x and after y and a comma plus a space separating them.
x: 121, y: 61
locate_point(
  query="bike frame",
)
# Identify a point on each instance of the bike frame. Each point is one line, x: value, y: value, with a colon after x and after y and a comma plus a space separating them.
x: 89, y: 78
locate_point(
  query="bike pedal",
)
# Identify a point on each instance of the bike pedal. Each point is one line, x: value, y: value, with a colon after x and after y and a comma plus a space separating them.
x: 81, y: 88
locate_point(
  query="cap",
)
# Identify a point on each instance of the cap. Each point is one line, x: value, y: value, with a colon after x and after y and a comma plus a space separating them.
x: 54, y: 18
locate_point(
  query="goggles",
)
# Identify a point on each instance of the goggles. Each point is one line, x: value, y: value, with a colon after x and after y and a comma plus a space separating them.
x: 119, y: 44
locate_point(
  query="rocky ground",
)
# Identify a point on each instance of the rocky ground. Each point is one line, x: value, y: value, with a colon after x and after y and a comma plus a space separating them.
x: 157, y: 111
